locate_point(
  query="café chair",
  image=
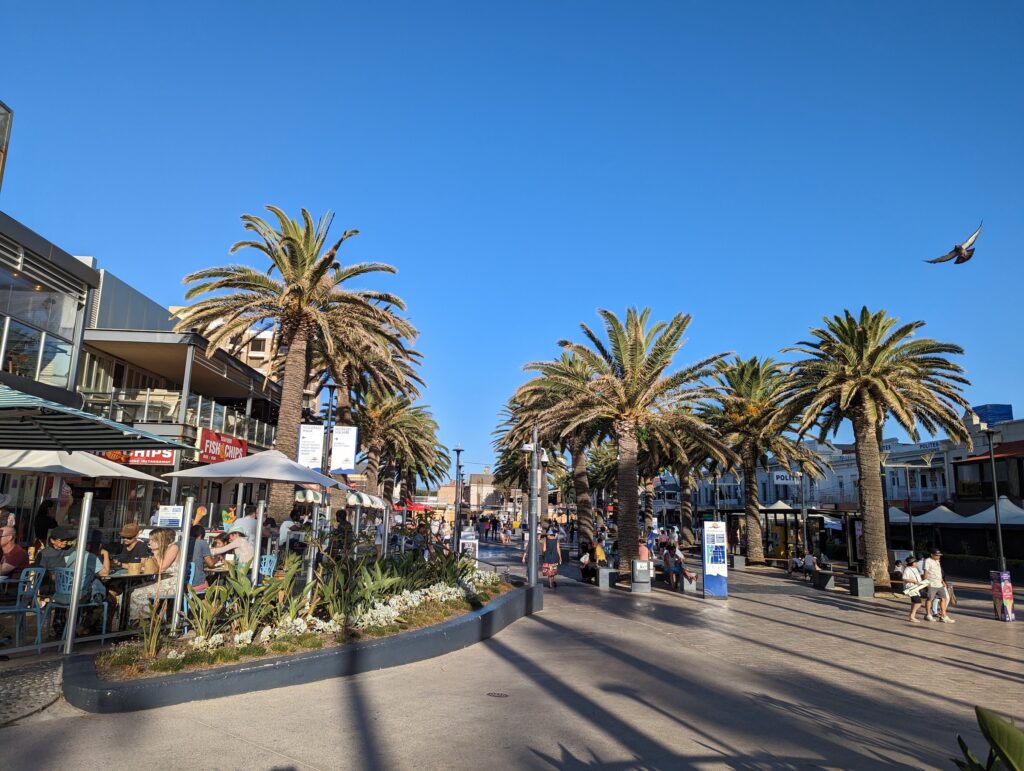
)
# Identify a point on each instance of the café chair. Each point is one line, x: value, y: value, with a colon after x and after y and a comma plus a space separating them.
x: 65, y: 579
x: 268, y: 564
x: 27, y: 603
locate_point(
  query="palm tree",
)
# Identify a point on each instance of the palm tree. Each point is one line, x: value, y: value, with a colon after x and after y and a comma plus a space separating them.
x: 631, y: 391
x: 392, y: 430
x: 863, y: 368
x: 299, y: 296
x: 540, y: 394
x: 753, y: 414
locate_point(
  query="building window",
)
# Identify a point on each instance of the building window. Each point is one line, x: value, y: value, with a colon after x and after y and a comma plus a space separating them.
x: 258, y: 345
x: 924, y: 480
x: 21, y: 353
x: 56, y: 363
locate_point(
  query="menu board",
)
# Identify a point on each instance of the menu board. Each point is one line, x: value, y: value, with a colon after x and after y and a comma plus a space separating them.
x: 714, y: 551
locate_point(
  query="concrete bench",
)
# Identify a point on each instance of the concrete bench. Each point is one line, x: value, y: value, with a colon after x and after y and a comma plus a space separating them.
x: 737, y: 561
x: 687, y: 586
x: 823, y: 579
x: 607, y: 577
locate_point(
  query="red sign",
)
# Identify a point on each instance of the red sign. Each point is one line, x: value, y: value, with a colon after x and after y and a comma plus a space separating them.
x: 215, y: 447
x: 141, y: 457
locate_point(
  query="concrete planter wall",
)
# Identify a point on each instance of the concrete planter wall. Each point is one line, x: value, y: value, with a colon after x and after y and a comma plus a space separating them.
x: 85, y: 690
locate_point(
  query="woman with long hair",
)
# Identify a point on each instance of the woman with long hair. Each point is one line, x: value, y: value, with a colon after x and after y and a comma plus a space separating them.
x: 165, y: 551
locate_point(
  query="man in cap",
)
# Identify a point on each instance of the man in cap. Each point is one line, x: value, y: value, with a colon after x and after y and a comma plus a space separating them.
x: 936, y: 586
x: 14, y: 558
x: 238, y: 544
x: 132, y: 549
x: 54, y: 555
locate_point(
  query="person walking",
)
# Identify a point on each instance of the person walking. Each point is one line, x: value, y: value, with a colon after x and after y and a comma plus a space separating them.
x: 912, y: 586
x: 936, y: 587
x: 552, y: 557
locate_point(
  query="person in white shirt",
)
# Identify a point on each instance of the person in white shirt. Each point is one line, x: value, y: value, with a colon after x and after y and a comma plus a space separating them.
x: 810, y: 563
x: 936, y: 586
x: 912, y: 577
x: 238, y: 544
x: 248, y: 522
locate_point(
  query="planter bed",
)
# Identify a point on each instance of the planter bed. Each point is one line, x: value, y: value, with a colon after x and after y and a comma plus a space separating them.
x: 86, y: 690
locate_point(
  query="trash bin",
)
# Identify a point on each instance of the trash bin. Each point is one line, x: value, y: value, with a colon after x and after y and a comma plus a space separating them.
x: 1002, y: 595
x: 642, y: 573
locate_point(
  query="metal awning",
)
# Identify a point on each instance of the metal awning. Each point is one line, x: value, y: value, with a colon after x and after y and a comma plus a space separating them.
x: 31, y: 423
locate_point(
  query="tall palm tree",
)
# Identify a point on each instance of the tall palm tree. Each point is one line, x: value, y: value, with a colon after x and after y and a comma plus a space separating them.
x: 298, y: 296
x: 754, y: 414
x: 864, y: 368
x: 631, y: 391
x: 540, y: 394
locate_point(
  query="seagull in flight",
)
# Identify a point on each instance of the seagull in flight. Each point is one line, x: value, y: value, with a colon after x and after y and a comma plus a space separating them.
x: 963, y: 252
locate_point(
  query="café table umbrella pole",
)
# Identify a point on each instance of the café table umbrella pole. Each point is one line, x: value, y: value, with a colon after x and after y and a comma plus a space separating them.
x: 76, y: 582
x: 179, y: 592
x: 260, y: 510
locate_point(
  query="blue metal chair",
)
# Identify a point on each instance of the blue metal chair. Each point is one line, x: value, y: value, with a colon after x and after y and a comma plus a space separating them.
x: 27, y: 603
x: 65, y: 579
x: 268, y: 564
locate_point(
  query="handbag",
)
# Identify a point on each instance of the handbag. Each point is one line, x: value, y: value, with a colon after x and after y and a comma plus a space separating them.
x: 584, y: 560
x: 915, y: 590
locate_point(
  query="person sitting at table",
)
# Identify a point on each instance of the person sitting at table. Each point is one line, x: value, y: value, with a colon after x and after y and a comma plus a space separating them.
x: 200, y: 557
x: 248, y: 522
x: 161, y: 541
x: 14, y: 558
x: 237, y: 544
x: 44, y: 521
x: 132, y: 549
x: 94, y: 567
x: 55, y: 554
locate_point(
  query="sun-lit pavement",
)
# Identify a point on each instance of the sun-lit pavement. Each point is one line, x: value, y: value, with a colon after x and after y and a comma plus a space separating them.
x: 778, y: 676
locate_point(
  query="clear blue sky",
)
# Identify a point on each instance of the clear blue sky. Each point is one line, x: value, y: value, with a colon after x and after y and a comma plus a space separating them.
x: 755, y: 164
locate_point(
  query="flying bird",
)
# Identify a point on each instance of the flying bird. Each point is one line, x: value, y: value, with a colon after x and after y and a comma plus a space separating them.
x: 963, y: 252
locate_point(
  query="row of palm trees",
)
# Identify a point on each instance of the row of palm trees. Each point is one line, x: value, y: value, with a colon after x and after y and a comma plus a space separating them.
x: 323, y: 330
x: 615, y: 400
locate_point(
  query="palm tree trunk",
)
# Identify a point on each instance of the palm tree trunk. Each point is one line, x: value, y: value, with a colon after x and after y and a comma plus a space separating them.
x: 649, y: 503
x: 870, y: 491
x: 626, y: 511
x: 581, y: 486
x: 282, y: 496
x: 389, y: 483
x: 344, y: 409
x: 373, y: 449
x: 755, y: 538
x: 686, y: 535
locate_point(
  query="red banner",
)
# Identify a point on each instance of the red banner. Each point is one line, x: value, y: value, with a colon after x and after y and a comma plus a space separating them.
x: 141, y: 457
x: 215, y: 447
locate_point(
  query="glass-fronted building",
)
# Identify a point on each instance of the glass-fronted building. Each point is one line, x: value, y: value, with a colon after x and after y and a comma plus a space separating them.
x: 43, y: 297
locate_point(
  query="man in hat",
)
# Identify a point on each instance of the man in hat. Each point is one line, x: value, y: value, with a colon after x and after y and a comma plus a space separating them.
x: 14, y: 558
x: 54, y: 555
x: 238, y: 545
x: 132, y: 549
x: 936, y: 586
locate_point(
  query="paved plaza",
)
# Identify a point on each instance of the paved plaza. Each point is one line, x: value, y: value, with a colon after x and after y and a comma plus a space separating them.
x: 779, y: 676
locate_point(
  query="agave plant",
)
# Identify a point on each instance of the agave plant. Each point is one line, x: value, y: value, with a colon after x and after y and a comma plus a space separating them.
x: 251, y: 604
x: 205, y: 613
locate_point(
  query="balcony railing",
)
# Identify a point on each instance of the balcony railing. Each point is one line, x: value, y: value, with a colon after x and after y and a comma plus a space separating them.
x: 158, y: 405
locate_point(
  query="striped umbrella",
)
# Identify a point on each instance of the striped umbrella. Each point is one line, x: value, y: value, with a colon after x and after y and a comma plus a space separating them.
x: 356, y: 498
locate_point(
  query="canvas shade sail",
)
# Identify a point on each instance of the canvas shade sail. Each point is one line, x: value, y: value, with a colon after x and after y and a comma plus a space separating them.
x: 31, y: 423
x: 69, y: 464
x: 1009, y: 514
x: 268, y: 466
x: 940, y: 515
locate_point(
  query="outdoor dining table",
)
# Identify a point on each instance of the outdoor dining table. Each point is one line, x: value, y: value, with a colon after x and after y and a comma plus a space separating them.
x: 128, y: 581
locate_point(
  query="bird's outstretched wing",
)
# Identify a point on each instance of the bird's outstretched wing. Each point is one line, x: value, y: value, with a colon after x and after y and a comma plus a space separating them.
x: 944, y: 258
x: 974, y: 237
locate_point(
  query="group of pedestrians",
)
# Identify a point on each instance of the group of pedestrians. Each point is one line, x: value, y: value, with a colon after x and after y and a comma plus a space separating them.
x: 926, y: 582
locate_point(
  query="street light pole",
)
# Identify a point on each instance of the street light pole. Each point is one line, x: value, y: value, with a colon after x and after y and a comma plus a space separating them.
x: 531, y: 551
x: 457, y: 534
x: 803, y: 510
x: 910, y: 512
x: 991, y: 434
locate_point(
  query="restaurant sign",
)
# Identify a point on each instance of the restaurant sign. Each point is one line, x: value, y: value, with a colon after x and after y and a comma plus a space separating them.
x: 141, y: 457
x: 215, y: 447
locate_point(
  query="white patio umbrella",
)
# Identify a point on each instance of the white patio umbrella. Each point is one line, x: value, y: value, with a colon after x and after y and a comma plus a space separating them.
x: 940, y: 515
x: 69, y: 464
x: 357, y: 498
x: 899, y: 516
x: 779, y: 505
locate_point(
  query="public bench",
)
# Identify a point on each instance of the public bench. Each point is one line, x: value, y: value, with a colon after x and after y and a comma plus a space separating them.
x: 858, y: 585
x: 607, y: 577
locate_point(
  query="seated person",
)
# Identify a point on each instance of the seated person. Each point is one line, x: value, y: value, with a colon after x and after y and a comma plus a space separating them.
x: 588, y: 568
x: 796, y: 564
x: 238, y: 545
x: 810, y: 564
x: 200, y: 556
x: 132, y: 549
x: 14, y: 558
x: 823, y: 561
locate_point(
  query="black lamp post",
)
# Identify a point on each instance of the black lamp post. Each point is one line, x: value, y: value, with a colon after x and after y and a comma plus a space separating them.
x: 991, y: 433
x: 457, y: 535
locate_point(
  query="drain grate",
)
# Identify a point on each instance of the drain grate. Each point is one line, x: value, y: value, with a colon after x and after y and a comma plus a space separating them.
x: 498, y: 695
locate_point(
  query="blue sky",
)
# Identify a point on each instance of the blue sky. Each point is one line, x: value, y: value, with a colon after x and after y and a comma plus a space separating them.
x: 758, y: 165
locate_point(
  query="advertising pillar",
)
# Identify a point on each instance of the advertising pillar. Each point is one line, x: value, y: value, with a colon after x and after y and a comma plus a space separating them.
x: 1002, y: 595
x: 713, y: 551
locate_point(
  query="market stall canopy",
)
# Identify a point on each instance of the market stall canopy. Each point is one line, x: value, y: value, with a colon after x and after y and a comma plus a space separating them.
x: 1009, y: 514
x: 899, y: 516
x: 267, y: 466
x: 779, y: 505
x: 356, y: 498
x: 377, y: 503
x: 30, y: 423
x: 940, y: 515
x: 68, y: 464
x: 413, y: 506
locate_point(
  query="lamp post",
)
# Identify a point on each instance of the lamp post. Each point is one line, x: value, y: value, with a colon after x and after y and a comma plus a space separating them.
x: 531, y: 549
x: 991, y: 434
x: 457, y: 534
x: 803, y: 509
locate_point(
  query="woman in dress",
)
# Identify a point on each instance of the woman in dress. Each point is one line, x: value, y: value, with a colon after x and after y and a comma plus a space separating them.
x: 552, y: 557
x: 165, y: 551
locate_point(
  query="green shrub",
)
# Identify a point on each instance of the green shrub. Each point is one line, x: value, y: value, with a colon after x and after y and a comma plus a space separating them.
x: 167, y: 665
x: 251, y: 650
x: 311, y: 641
x: 192, y: 658
x: 122, y: 655
x: 1005, y: 744
x: 223, y: 655
x: 280, y: 646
